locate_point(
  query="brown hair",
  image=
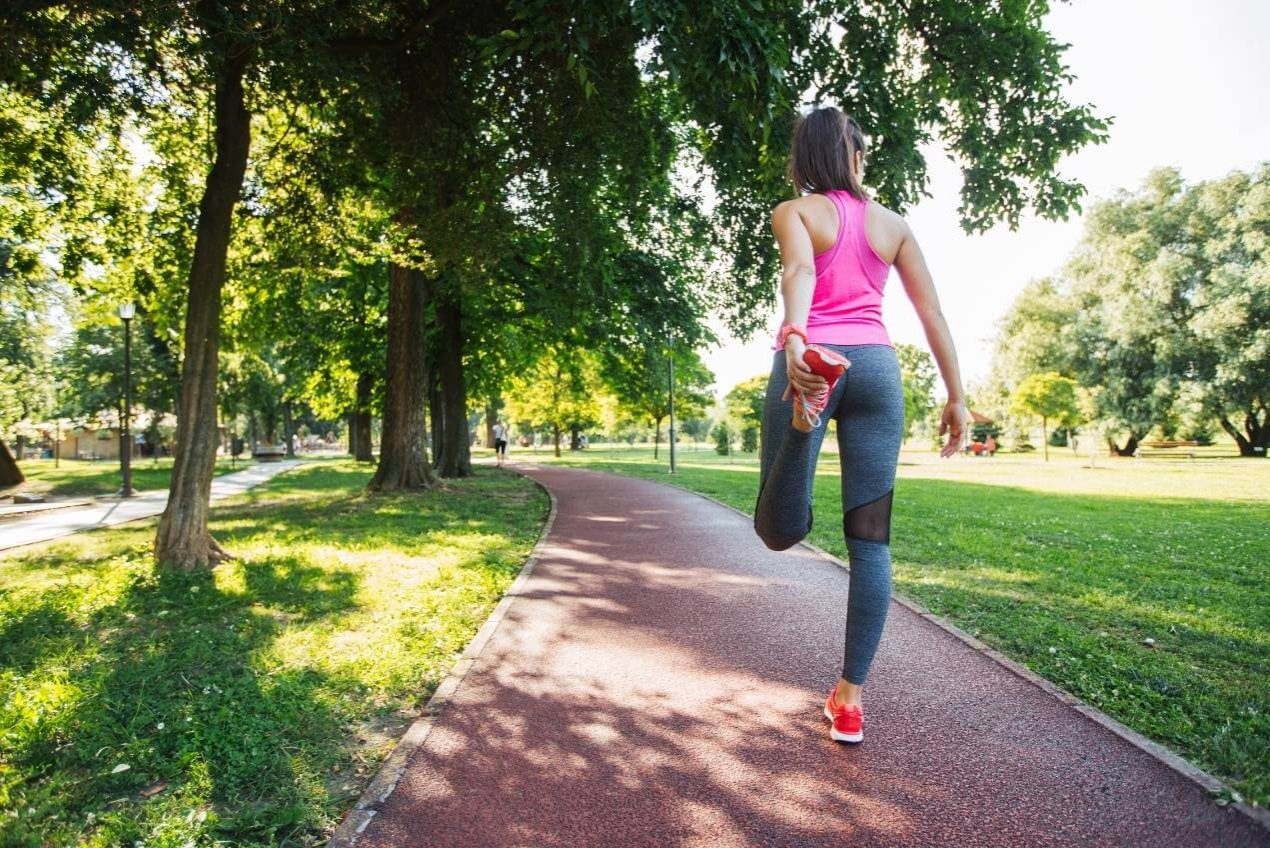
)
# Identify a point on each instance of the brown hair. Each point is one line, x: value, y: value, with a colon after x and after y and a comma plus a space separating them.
x: 822, y: 157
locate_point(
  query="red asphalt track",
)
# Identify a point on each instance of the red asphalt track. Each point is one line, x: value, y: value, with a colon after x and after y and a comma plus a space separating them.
x: 658, y: 681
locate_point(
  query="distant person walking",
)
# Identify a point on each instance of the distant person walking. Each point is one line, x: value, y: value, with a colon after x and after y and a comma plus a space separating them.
x: 834, y: 359
x: 500, y: 442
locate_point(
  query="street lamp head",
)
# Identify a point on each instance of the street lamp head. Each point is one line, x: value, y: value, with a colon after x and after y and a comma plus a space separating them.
x: 127, y: 311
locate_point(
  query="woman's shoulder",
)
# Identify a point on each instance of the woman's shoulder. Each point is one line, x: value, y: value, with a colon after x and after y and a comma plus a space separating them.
x: 886, y: 230
x: 805, y: 206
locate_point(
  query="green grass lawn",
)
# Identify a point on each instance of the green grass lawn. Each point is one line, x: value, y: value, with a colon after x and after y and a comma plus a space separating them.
x: 78, y: 478
x: 249, y: 705
x: 1054, y: 565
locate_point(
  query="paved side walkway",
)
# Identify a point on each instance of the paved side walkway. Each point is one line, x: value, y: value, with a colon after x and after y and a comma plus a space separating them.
x: 658, y: 679
x: 56, y: 523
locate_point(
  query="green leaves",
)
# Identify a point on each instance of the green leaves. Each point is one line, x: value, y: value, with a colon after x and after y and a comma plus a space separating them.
x: 1162, y: 311
x: 917, y: 374
x: 1049, y: 395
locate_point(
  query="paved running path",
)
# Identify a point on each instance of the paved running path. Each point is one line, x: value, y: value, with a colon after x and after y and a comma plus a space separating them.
x: 658, y: 679
x: 55, y: 523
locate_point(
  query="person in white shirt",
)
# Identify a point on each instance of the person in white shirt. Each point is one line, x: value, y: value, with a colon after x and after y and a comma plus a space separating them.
x: 500, y: 442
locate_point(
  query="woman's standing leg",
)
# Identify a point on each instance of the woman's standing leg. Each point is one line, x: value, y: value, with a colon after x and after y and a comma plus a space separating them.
x: 870, y: 428
x: 787, y: 465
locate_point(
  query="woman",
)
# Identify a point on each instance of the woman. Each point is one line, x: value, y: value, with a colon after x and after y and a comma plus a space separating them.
x: 834, y: 359
x: 500, y: 442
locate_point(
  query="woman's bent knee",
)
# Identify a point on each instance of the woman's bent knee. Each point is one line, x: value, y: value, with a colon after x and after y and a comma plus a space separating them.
x: 776, y: 541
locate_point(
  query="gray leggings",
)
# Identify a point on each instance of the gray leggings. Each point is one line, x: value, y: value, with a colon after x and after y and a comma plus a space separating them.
x: 868, y: 404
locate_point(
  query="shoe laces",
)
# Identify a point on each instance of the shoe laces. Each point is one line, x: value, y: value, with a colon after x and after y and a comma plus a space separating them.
x: 812, y: 406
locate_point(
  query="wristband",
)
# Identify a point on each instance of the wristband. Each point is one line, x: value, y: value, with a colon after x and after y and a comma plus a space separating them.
x: 788, y: 330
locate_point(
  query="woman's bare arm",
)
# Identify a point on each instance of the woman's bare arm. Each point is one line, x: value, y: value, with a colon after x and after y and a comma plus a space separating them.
x: 798, y: 283
x: 920, y: 287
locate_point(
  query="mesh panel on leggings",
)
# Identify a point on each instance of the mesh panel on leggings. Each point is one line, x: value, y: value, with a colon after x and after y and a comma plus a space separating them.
x: 871, y: 522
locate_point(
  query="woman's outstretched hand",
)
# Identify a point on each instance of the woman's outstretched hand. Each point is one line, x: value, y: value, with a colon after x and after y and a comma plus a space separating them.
x: 801, y: 377
x: 954, y: 422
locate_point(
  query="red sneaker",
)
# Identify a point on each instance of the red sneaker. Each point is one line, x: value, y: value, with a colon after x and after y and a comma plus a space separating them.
x: 828, y: 364
x: 847, y: 721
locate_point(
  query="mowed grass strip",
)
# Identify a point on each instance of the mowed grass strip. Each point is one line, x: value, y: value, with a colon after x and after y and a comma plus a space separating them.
x: 80, y: 478
x: 251, y: 704
x: 1074, y: 585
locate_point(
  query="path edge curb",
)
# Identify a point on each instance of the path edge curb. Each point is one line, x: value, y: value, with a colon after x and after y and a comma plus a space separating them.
x: 394, y: 766
x: 1209, y: 783
x: 96, y: 500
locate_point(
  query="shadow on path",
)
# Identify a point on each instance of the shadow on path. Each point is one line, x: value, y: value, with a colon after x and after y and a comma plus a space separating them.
x: 658, y: 681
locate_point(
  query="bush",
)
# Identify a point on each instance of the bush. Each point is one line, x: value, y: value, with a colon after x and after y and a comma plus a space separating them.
x: 722, y: 439
x: 749, y: 439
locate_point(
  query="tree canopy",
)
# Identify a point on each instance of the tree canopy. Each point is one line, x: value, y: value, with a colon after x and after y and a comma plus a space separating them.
x: 395, y: 205
x: 1162, y: 312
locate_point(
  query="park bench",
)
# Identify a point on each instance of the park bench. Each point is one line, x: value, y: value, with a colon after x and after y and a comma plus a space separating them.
x: 269, y: 453
x: 1166, y: 447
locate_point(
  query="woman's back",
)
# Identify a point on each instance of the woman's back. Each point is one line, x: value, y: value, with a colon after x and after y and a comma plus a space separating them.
x: 851, y: 271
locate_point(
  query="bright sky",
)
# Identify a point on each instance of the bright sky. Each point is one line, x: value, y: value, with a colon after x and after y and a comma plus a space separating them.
x: 1185, y: 83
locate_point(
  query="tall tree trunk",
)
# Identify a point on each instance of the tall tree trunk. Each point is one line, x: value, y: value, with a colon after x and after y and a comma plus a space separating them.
x: 436, y: 415
x: 1045, y: 438
x: 456, y: 452
x: 10, y: 474
x: 403, y: 450
x: 1129, y: 449
x: 491, y: 415
x: 361, y: 417
x: 352, y: 433
x: 1245, y: 444
x: 183, y: 540
x: 656, y: 437
x: 271, y: 427
x: 555, y: 437
x: 288, y: 429
x: 575, y: 437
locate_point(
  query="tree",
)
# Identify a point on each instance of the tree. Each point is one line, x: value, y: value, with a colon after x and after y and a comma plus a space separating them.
x: 746, y: 399
x: 744, y: 404
x: 642, y: 384
x: 696, y: 428
x: 403, y: 456
x: 1161, y: 312
x: 29, y: 289
x: 985, y: 78
x: 570, y: 118
x: 557, y: 393
x: 1037, y: 333
x: 90, y: 362
x: 479, y: 127
x: 917, y: 375
x: 722, y: 439
x: 1231, y: 319
x: 1048, y: 395
x: 25, y: 372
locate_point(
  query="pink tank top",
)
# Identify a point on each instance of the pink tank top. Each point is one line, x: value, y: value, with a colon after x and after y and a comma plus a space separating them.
x: 846, y: 306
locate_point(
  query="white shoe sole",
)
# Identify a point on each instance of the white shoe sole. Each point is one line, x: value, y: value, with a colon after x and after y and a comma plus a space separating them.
x: 841, y: 737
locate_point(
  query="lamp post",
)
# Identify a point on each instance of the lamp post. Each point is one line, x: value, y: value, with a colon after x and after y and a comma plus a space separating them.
x: 126, y: 312
x: 670, y: 364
